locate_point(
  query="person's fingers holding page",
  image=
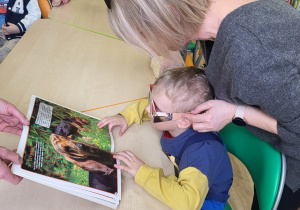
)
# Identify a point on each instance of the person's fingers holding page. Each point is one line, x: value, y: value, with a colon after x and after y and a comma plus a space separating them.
x: 6, y: 157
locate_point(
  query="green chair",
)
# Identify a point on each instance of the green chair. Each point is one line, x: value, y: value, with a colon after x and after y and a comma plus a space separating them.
x: 266, y: 165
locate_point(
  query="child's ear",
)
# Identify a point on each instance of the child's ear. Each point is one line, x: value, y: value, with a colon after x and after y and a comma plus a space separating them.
x: 184, y: 123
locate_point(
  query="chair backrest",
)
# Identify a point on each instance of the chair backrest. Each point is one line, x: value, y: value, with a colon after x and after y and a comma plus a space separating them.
x: 263, y: 162
x: 45, y: 8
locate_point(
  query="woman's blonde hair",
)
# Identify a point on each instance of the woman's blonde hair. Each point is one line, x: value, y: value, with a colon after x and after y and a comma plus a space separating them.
x: 186, y: 87
x: 157, y: 26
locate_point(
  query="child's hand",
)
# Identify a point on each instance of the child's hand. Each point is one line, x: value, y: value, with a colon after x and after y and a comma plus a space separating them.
x: 10, y: 28
x: 117, y: 120
x: 133, y: 163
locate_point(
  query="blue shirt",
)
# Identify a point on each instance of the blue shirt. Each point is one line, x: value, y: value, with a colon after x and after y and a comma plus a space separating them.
x: 207, y: 155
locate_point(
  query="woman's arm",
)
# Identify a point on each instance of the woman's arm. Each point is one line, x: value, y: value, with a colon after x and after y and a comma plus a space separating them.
x: 256, y: 117
x: 219, y: 113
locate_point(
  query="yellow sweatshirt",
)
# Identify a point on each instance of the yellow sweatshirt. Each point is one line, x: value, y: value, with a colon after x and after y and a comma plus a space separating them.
x: 136, y: 112
x: 188, y: 191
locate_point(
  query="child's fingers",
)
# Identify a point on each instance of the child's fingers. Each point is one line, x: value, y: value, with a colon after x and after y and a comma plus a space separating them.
x: 122, y: 167
x: 110, y: 127
x: 103, y: 122
x: 126, y: 168
x: 130, y: 154
x: 127, y: 159
x: 132, y: 163
x: 117, y: 120
x: 120, y: 156
x: 123, y: 129
x: 113, y: 124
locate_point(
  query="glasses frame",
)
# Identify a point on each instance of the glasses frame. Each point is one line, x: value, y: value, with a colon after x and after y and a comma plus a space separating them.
x: 108, y: 3
x: 158, y: 116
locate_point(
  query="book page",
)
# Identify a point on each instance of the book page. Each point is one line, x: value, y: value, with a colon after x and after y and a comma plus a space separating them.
x: 67, y: 146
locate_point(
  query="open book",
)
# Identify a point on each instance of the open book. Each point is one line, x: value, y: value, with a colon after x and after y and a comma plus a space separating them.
x: 65, y: 149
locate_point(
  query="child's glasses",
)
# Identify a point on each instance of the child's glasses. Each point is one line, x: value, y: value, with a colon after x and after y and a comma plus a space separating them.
x: 158, y: 116
x: 107, y: 2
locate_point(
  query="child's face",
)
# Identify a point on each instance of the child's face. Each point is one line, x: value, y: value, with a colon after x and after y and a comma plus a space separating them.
x: 163, y: 104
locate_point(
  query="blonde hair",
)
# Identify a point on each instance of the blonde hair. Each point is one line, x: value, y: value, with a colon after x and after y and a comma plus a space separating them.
x: 186, y: 87
x: 157, y: 26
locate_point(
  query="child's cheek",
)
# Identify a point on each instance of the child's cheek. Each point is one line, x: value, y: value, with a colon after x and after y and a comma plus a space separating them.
x: 159, y: 126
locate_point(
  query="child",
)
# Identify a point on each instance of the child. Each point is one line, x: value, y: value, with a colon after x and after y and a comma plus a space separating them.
x: 15, y: 18
x: 205, y: 173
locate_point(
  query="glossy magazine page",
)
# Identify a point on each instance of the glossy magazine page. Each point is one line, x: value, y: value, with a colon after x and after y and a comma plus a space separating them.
x: 64, y: 149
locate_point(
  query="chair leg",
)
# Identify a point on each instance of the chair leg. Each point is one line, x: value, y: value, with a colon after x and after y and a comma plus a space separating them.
x: 282, y: 182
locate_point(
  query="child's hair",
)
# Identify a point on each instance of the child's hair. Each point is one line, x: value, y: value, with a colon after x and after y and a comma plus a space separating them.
x: 157, y: 25
x: 186, y: 87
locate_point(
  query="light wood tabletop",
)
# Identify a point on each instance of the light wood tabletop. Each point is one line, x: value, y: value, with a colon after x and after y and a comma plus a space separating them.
x: 84, y: 70
x: 81, y: 70
x: 89, y: 15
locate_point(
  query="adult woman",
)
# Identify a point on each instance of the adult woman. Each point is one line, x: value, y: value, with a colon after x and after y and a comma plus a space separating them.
x: 254, y: 62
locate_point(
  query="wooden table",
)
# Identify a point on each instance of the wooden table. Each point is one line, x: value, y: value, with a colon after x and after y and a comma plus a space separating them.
x: 81, y: 70
x: 89, y: 15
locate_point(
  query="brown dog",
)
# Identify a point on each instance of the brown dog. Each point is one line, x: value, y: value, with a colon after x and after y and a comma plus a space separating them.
x: 72, y: 126
x: 86, y: 156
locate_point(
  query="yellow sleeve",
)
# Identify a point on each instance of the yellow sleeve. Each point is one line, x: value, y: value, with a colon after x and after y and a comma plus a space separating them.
x: 188, y: 191
x: 136, y: 113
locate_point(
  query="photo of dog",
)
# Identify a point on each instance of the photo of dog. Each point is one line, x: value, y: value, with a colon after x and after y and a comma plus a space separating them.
x: 72, y: 126
x: 86, y: 156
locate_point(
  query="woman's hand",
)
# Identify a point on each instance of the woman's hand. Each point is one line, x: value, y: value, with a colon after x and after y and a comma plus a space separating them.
x: 215, y: 115
x: 6, y: 158
x: 11, y: 119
